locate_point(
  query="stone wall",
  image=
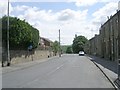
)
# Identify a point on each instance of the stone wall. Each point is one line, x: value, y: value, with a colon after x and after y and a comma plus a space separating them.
x: 20, y: 56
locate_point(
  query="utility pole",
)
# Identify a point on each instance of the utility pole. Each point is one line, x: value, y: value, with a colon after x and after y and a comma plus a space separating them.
x: 59, y: 45
x: 8, y: 52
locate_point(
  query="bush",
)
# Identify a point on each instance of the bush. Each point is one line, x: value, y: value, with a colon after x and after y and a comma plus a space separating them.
x: 21, y: 33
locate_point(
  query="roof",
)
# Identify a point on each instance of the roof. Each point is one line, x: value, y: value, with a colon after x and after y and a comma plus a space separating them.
x: 111, y: 17
x: 46, y: 39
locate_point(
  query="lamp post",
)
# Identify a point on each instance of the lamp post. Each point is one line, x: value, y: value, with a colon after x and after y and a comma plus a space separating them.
x: 8, y: 52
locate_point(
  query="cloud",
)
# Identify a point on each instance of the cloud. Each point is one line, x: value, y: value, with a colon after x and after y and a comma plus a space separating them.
x: 66, y: 15
x: 100, y: 16
x: 21, y: 8
x: 38, y: 0
x: 69, y: 21
x: 49, y: 22
x: 69, y: 14
x: 85, y: 3
x: 4, y: 8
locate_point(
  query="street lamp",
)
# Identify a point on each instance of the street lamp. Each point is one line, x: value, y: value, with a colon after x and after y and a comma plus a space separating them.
x: 8, y: 52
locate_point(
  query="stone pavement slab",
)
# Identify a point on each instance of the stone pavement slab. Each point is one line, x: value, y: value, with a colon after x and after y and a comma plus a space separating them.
x: 109, y: 68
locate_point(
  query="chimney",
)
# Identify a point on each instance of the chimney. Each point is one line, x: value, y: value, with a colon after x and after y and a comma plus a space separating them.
x: 75, y: 35
x: 108, y: 17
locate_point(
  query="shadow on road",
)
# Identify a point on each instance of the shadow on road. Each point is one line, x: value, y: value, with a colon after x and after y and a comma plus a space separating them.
x: 111, y: 65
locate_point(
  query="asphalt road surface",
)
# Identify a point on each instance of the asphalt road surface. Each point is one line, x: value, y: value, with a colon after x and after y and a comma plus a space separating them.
x: 68, y: 71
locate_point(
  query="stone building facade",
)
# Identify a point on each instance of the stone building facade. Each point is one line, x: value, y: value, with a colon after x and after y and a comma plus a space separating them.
x: 45, y: 44
x: 107, y: 43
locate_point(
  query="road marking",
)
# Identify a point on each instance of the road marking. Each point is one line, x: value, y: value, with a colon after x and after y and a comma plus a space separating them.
x: 55, y: 69
x: 46, y: 75
x: 76, y: 66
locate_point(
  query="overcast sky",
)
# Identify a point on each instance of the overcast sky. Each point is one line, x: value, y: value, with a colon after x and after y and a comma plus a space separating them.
x: 81, y: 17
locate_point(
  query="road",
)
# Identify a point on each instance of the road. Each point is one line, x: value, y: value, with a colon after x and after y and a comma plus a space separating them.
x: 68, y: 71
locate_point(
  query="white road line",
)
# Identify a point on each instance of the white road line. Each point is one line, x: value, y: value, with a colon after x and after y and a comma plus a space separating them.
x: 47, y: 75
x: 55, y: 69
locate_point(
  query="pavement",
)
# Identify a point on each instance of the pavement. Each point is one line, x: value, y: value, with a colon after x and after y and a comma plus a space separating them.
x: 108, y: 68
x: 20, y: 66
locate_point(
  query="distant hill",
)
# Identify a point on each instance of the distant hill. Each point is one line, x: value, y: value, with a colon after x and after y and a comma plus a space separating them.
x: 64, y: 48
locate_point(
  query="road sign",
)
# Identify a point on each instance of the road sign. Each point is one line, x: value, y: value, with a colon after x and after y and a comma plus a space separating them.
x: 30, y: 47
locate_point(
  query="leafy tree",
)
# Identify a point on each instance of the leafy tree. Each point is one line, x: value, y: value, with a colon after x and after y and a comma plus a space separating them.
x: 21, y: 33
x: 78, y: 43
x: 55, y: 47
x: 69, y: 49
x: 64, y: 48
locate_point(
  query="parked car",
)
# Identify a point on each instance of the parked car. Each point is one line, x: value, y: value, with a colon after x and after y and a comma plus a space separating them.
x: 81, y: 53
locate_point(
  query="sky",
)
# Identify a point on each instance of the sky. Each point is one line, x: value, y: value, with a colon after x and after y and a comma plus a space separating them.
x: 81, y: 17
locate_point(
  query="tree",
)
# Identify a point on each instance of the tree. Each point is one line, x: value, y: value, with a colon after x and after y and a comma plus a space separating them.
x: 69, y: 50
x: 55, y: 47
x: 21, y: 33
x: 78, y: 44
x: 64, y: 48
